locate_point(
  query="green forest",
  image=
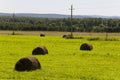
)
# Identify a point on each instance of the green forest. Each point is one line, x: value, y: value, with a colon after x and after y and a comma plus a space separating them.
x: 60, y: 24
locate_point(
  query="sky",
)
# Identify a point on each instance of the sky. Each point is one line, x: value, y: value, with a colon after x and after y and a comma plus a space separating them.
x: 81, y: 7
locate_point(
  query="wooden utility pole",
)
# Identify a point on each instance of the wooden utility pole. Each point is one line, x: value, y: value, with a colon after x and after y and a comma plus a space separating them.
x: 13, y: 16
x: 106, y: 38
x: 71, y: 20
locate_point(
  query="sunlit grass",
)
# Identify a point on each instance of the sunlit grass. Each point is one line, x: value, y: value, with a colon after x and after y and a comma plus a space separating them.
x: 64, y: 61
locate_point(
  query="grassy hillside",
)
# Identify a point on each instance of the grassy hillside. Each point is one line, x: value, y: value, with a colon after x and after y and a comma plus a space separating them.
x: 64, y: 61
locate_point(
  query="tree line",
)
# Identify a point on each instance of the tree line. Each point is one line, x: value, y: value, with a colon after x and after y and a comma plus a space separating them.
x: 60, y: 24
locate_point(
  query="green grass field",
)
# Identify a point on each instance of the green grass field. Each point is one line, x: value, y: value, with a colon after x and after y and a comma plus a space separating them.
x: 65, y: 61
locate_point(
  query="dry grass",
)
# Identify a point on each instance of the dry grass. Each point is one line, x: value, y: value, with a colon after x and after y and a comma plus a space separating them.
x: 57, y: 33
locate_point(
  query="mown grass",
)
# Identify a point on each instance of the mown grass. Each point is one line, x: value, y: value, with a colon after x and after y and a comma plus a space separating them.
x: 64, y: 61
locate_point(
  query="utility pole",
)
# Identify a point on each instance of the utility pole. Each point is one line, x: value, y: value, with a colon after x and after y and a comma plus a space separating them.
x: 106, y: 32
x: 13, y: 16
x: 71, y: 20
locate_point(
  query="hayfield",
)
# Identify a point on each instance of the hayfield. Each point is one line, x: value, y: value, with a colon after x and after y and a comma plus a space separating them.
x: 65, y: 60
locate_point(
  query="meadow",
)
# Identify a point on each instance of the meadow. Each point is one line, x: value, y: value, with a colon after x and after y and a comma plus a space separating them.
x: 65, y: 60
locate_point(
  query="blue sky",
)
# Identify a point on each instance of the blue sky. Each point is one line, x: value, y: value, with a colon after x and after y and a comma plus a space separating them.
x: 82, y: 7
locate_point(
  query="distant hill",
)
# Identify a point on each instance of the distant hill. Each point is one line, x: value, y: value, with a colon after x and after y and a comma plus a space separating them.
x: 56, y: 15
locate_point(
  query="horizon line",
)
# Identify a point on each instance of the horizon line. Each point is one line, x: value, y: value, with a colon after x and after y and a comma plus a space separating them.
x: 57, y: 14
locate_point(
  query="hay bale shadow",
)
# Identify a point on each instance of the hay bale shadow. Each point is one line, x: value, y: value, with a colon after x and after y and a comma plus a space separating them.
x: 27, y: 64
x: 40, y: 50
x: 86, y: 46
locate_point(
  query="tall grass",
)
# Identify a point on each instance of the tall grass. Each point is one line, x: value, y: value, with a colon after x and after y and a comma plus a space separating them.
x: 65, y: 61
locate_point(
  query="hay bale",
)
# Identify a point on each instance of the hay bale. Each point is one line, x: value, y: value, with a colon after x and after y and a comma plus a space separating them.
x: 27, y: 64
x: 40, y: 50
x: 42, y: 35
x: 86, y: 46
x: 68, y: 36
x: 64, y: 36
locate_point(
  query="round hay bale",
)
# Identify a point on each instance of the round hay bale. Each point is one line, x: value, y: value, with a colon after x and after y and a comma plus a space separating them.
x: 69, y: 36
x: 64, y: 36
x: 27, y: 64
x: 42, y: 35
x: 86, y: 46
x: 40, y: 50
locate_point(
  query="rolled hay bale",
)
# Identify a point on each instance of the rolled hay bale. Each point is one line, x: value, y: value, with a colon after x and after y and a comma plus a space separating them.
x: 86, y: 46
x: 69, y: 36
x: 64, y: 36
x: 40, y: 50
x: 42, y: 35
x: 27, y: 64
